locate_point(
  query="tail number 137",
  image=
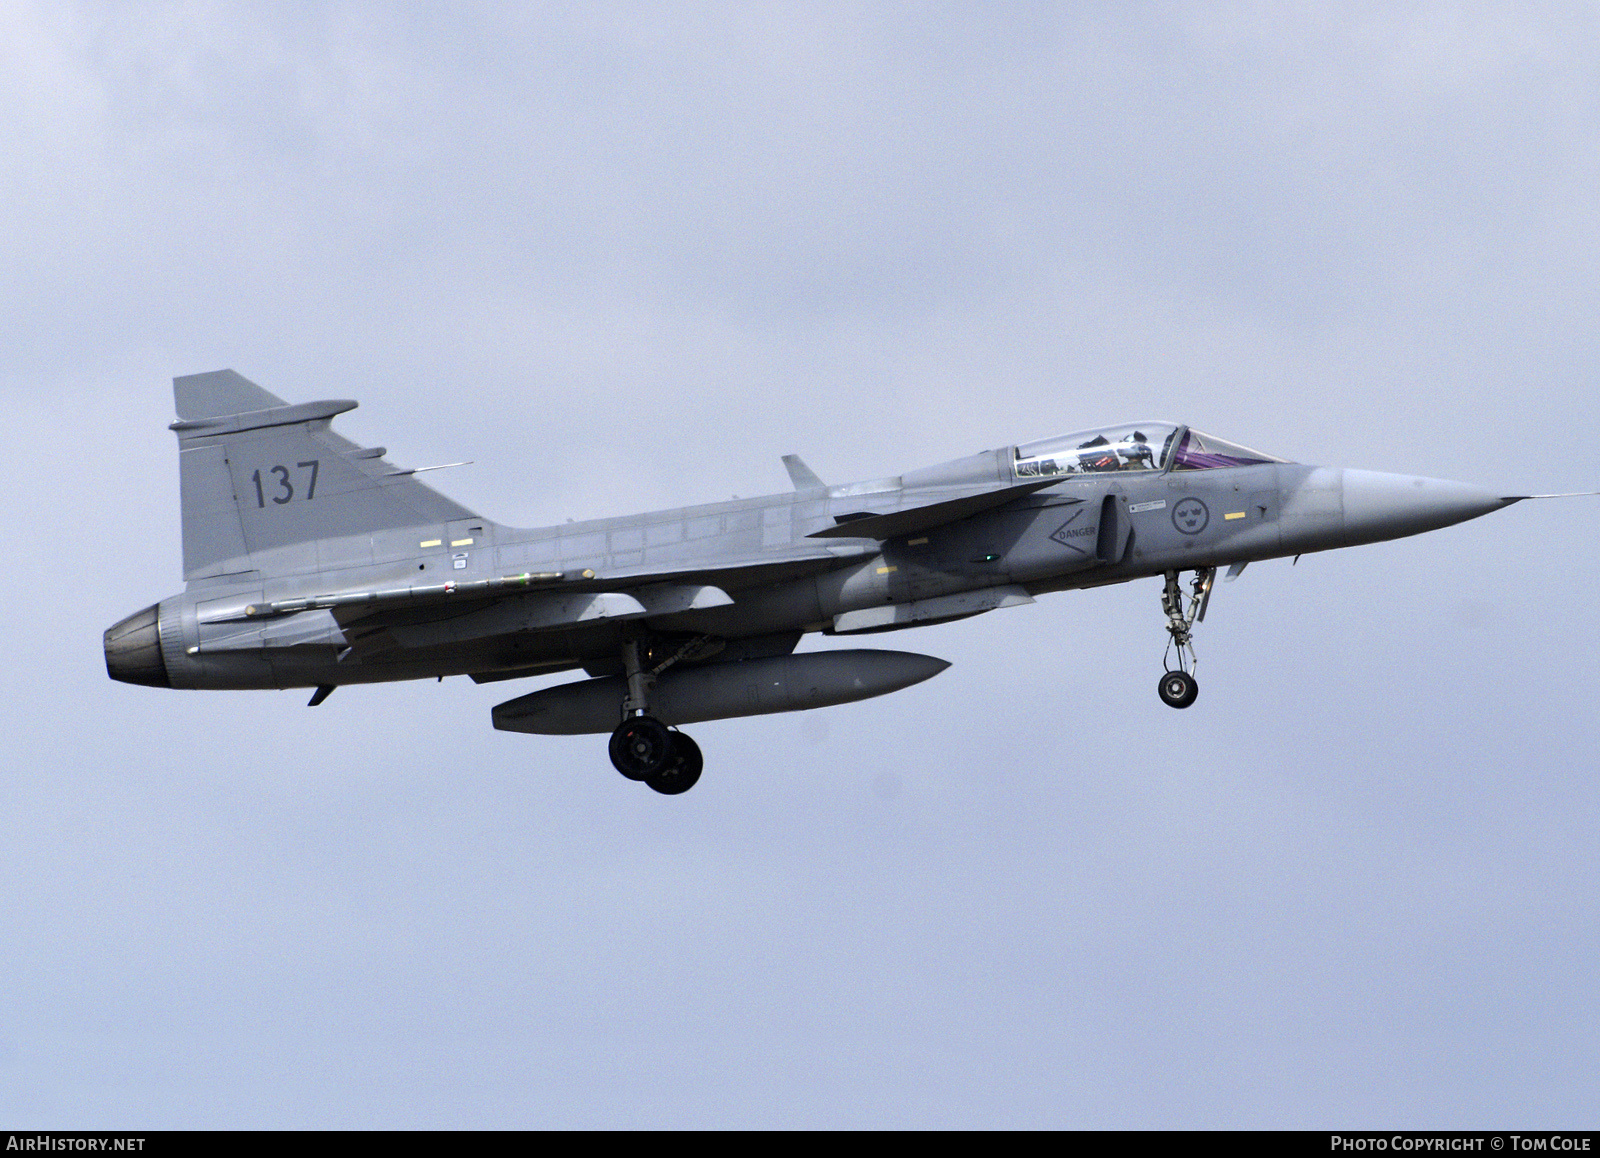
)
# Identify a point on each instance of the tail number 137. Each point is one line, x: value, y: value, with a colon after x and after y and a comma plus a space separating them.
x: 278, y: 487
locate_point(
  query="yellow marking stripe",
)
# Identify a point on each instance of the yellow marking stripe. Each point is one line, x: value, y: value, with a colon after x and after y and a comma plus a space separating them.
x: 461, y: 542
x: 431, y: 543
x: 886, y: 570
x: 1234, y: 515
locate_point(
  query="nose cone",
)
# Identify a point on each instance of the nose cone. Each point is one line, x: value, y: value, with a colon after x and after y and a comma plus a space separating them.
x: 1390, y: 506
x: 133, y: 650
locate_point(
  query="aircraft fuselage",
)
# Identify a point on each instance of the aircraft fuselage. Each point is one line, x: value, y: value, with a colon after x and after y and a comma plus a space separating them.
x: 1083, y: 531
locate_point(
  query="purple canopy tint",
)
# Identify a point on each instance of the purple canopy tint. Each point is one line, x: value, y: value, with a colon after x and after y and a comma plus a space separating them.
x: 1198, y: 451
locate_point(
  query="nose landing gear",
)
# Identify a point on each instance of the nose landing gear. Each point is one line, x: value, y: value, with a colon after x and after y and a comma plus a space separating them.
x: 1178, y: 687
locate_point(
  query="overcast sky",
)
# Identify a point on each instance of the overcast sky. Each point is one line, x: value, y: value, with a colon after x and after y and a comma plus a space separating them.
x: 624, y: 257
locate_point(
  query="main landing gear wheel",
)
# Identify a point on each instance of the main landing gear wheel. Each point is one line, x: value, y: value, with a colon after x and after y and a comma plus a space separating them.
x: 641, y: 747
x: 682, y: 768
x: 1178, y: 689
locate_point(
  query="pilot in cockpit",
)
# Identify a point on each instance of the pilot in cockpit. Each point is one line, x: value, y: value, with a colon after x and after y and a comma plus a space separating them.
x: 1137, y: 451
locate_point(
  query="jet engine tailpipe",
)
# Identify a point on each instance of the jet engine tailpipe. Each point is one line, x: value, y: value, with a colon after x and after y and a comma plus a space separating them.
x: 133, y: 650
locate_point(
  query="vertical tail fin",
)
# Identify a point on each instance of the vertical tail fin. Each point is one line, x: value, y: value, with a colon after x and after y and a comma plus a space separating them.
x: 261, y: 477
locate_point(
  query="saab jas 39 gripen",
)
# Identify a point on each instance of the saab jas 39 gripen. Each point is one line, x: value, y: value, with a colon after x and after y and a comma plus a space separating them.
x: 312, y: 562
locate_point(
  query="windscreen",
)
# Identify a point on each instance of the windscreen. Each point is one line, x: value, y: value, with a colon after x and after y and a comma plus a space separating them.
x: 1197, y: 451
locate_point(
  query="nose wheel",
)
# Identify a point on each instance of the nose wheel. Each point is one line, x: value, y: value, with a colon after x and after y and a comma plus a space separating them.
x: 1178, y: 687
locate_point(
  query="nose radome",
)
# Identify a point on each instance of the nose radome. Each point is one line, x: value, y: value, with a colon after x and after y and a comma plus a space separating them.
x: 1389, y: 506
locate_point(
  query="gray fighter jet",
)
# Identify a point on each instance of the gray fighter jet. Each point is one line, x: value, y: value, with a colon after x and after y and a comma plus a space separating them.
x: 312, y: 562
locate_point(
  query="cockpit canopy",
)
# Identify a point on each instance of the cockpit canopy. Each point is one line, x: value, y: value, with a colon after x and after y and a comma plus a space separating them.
x: 1144, y: 446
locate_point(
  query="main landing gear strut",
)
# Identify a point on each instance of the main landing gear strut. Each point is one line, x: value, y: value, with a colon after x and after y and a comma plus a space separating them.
x: 642, y: 747
x: 1178, y: 687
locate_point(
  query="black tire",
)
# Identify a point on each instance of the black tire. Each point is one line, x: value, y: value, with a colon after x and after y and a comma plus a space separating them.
x: 640, y: 746
x: 682, y: 769
x: 1178, y: 689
